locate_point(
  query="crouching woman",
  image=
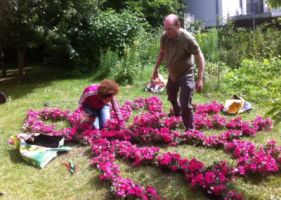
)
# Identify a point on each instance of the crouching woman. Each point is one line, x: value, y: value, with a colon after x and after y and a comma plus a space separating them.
x: 95, y: 103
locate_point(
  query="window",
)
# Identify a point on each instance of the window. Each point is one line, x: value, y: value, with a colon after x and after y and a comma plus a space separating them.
x: 254, y: 6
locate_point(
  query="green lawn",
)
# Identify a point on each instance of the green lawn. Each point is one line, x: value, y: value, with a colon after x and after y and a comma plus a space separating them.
x: 19, y: 180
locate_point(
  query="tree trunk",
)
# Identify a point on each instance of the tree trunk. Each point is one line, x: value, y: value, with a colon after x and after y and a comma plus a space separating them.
x: 21, y: 63
x: 2, y: 66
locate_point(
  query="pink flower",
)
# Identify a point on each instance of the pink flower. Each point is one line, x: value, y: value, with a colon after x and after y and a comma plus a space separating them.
x: 210, y: 178
x: 152, y: 126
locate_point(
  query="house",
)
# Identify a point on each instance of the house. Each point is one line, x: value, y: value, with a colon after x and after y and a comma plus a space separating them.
x: 218, y: 12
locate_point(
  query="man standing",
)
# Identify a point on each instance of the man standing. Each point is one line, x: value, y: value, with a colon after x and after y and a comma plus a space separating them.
x: 178, y: 48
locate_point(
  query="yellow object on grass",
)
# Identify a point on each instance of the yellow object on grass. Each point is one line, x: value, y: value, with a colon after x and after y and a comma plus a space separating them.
x: 236, y: 105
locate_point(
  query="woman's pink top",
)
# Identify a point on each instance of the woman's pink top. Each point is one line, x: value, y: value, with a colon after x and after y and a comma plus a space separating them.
x: 91, y: 99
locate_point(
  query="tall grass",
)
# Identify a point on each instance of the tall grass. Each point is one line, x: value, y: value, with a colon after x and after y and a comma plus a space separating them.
x: 209, y: 43
x: 108, y: 62
x: 132, y: 62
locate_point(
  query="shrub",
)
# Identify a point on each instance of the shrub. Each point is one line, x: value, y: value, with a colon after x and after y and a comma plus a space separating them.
x: 233, y: 45
x: 114, y: 30
x: 236, y: 44
x: 275, y: 111
x: 107, y: 30
x: 209, y: 44
x: 107, y: 63
x: 214, y: 75
x: 148, y: 44
x: 128, y: 66
x: 258, y: 80
x: 154, y: 10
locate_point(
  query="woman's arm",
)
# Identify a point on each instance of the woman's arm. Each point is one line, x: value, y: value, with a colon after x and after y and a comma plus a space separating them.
x: 117, y: 111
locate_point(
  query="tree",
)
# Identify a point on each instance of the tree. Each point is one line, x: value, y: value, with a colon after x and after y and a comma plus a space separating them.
x: 6, y: 7
x: 56, y: 25
x: 21, y: 27
x: 72, y: 31
x: 67, y: 25
x: 153, y: 10
x: 274, y: 3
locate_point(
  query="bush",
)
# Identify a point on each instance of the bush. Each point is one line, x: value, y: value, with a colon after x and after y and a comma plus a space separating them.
x: 127, y: 67
x: 214, y: 76
x: 275, y: 111
x: 236, y: 44
x: 209, y: 44
x: 154, y: 10
x: 107, y: 63
x: 115, y: 30
x: 258, y: 80
x: 107, y: 30
x: 148, y: 44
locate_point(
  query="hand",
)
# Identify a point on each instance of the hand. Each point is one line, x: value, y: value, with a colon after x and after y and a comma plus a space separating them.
x: 199, y: 85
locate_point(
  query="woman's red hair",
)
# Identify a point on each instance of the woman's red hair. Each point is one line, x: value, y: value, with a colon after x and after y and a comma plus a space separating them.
x: 108, y: 88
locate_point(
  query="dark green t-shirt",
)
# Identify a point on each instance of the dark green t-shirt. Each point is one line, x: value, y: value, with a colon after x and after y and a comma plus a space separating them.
x: 178, y: 53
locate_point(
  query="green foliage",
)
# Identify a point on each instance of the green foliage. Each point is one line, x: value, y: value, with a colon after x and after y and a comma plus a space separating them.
x: 128, y: 66
x: 275, y: 111
x: 107, y: 64
x: 71, y: 31
x: 236, y: 44
x: 208, y: 43
x: 257, y: 80
x: 147, y: 46
x: 67, y: 26
x: 154, y: 10
x: 233, y: 45
x: 114, y: 30
x: 107, y: 30
x: 25, y: 30
x: 214, y: 76
x: 274, y: 3
x: 195, y: 27
x: 142, y: 52
x: 57, y: 26
x: 6, y: 17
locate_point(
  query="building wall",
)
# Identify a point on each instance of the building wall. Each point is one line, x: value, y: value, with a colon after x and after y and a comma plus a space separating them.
x: 203, y: 10
x: 215, y: 12
x: 231, y: 8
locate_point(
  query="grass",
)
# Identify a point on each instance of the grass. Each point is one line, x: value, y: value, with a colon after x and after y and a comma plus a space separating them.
x: 19, y: 180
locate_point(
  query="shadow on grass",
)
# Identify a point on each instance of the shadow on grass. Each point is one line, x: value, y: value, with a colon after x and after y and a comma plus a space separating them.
x: 16, y: 158
x: 88, y: 153
x: 36, y: 77
x: 100, y: 185
x: 255, y: 179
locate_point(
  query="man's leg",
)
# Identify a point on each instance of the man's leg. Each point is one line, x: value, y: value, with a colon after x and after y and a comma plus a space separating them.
x: 104, y: 115
x: 187, y: 85
x: 172, y: 92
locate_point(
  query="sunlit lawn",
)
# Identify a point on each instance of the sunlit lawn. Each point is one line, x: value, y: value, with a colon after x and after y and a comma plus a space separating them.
x: 19, y: 180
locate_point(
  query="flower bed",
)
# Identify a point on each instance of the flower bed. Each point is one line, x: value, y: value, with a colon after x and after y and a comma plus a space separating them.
x: 153, y: 126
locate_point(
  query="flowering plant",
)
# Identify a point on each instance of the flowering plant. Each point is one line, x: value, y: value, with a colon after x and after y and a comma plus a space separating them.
x: 153, y: 127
